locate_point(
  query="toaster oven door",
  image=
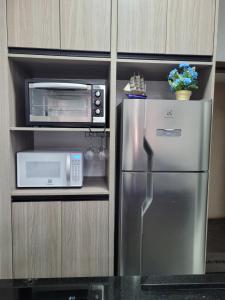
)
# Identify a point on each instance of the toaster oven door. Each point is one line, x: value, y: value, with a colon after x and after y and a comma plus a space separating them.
x: 59, y: 103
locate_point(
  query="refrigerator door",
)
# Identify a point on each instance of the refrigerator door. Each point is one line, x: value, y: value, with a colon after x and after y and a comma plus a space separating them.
x: 134, y: 156
x: 133, y: 194
x: 177, y: 135
x: 174, y: 224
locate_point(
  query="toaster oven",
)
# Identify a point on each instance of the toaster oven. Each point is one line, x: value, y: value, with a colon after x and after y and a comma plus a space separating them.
x: 65, y: 103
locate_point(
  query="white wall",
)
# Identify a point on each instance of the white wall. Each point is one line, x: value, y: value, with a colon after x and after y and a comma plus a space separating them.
x: 221, y: 32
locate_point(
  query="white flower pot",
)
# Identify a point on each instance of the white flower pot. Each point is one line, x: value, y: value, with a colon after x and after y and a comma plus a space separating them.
x: 183, y: 95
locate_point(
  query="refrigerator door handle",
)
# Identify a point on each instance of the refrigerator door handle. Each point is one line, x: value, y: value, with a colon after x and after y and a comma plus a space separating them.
x: 144, y: 208
x: 149, y: 196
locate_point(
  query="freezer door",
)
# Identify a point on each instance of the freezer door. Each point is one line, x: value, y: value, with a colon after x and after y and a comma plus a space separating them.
x: 134, y: 157
x: 177, y: 135
x: 174, y: 224
x: 132, y: 195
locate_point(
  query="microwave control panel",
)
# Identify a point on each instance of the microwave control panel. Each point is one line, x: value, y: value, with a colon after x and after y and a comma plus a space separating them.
x: 76, y: 169
x: 98, y: 105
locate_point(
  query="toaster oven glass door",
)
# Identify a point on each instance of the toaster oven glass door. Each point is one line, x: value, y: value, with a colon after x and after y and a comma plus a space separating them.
x: 65, y: 103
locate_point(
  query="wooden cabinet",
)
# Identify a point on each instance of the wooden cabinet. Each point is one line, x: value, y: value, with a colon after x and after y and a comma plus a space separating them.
x: 36, y: 239
x: 85, y: 238
x: 190, y: 27
x: 33, y: 23
x: 168, y: 27
x: 142, y: 26
x: 60, y: 239
x: 85, y: 24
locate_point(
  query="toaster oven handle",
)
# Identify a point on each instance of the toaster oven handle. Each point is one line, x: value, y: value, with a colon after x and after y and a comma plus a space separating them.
x: 59, y: 85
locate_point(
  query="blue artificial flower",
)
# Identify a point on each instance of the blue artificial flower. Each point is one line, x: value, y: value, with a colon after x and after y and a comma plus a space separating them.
x: 177, y: 82
x: 193, y: 73
x: 184, y: 65
x: 187, y: 81
x: 172, y: 73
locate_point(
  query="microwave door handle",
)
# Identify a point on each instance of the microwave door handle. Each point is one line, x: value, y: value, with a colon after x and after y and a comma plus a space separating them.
x: 59, y: 85
x: 68, y: 169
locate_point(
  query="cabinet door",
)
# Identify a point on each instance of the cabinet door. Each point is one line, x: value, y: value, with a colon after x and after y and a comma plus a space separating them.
x: 190, y: 27
x: 36, y: 239
x: 142, y: 26
x: 85, y: 238
x: 33, y: 23
x: 85, y: 24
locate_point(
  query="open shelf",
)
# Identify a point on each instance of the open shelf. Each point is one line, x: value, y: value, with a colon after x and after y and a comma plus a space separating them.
x: 45, y: 66
x: 92, y: 186
x: 156, y: 73
x: 25, y: 66
x: 58, y: 129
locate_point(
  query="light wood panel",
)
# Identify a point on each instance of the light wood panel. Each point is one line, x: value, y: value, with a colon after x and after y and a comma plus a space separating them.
x: 190, y: 27
x: 36, y: 239
x: 112, y: 139
x: 220, y: 56
x: 5, y: 203
x: 85, y: 24
x: 85, y: 238
x: 29, y: 58
x: 33, y: 24
x: 142, y: 26
x: 92, y: 186
x: 58, y: 129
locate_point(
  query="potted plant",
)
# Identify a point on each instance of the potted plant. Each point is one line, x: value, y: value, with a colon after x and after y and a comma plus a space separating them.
x: 183, y: 80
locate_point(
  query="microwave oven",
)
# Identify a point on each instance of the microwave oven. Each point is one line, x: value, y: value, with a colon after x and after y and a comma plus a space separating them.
x: 49, y: 169
x: 65, y: 103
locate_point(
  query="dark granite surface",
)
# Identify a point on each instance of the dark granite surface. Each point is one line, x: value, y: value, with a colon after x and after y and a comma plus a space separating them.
x: 208, y: 287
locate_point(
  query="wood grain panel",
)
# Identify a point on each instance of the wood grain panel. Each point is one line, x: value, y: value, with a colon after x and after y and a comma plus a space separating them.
x: 5, y: 199
x: 36, y: 239
x: 20, y: 240
x: 33, y: 23
x: 85, y: 24
x: 85, y: 238
x: 190, y: 27
x: 142, y: 26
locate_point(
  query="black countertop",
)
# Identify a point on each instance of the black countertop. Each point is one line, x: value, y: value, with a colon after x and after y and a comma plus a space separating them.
x: 125, y: 288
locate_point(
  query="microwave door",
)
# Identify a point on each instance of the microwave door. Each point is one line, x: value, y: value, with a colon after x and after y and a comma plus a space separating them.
x: 42, y: 169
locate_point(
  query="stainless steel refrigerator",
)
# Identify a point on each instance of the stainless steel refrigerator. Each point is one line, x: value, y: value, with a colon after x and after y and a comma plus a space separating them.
x: 163, y: 186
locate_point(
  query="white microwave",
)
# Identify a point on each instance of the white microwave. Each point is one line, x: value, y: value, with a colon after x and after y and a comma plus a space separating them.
x: 49, y: 169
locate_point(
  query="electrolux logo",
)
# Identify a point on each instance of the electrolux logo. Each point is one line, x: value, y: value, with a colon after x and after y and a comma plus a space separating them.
x: 169, y: 114
x: 50, y: 182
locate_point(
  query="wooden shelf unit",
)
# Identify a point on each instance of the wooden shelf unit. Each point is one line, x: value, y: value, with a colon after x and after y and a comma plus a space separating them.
x: 18, y: 67
x: 59, y: 129
x: 92, y: 186
x: 25, y: 58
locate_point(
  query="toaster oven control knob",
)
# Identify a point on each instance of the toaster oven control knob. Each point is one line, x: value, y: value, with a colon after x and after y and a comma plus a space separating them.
x: 98, y: 111
x: 97, y: 94
x: 97, y: 102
